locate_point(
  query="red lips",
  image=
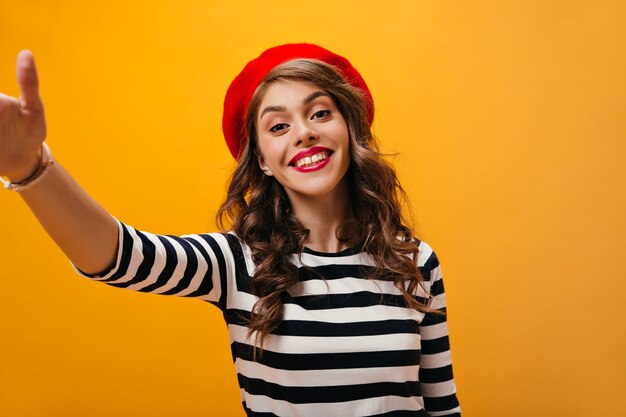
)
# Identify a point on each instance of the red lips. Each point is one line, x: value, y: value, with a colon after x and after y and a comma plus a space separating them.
x: 309, y: 152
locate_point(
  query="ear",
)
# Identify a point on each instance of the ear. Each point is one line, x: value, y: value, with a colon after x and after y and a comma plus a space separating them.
x: 263, y: 165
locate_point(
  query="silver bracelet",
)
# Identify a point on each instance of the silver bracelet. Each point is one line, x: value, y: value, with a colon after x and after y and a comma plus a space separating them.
x: 35, y: 177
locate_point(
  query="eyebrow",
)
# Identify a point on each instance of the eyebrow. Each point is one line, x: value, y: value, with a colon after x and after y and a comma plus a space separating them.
x: 306, y: 101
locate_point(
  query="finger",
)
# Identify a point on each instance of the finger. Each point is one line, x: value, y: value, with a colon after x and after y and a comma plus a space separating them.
x: 28, y: 82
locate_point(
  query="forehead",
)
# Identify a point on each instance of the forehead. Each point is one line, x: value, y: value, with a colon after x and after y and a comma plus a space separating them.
x: 286, y: 92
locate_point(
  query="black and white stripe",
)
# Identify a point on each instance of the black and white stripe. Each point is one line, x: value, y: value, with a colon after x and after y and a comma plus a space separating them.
x: 347, y: 345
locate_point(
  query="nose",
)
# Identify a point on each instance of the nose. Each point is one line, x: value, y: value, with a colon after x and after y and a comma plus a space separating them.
x: 306, y: 133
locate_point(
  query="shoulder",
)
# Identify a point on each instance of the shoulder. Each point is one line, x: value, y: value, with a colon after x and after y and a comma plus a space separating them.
x: 426, y: 256
x: 425, y: 252
x: 220, y: 247
x: 427, y: 260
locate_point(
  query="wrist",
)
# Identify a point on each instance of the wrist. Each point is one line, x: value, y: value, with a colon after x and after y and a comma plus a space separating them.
x: 42, y: 167
x: 28, y: 170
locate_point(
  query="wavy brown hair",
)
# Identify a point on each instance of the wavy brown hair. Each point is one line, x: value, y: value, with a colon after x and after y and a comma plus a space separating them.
x: 257, y: 207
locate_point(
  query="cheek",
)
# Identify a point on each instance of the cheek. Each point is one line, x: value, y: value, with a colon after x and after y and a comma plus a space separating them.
x: 340, y: 129
x: 262, y: 144
x: 271, y: 152
x: 340, y: 133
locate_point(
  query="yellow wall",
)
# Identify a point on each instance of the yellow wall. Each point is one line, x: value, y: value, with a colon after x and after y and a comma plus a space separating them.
x: 509, y: 116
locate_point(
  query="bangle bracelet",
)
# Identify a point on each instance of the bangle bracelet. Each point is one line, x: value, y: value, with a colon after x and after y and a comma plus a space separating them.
x: 44, y: 164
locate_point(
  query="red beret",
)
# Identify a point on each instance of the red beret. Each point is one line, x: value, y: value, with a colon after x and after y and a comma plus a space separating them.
x: 243, y: 86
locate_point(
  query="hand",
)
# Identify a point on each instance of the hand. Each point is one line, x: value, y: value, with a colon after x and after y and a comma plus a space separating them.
x: 22, y: 123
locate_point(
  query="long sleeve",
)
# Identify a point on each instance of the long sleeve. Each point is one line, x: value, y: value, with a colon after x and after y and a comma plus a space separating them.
x: 189, y: 266
x: 435, y: 374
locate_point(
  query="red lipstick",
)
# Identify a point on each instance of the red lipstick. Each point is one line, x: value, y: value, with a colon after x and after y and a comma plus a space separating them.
x: 309, y: 152
x: 314, y: 167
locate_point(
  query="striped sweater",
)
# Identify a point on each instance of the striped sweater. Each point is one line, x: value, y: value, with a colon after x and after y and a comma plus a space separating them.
x: 347, y: 345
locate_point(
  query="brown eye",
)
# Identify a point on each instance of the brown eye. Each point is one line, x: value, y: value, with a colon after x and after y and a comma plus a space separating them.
x: 277, y: 127
x: 320, y: 114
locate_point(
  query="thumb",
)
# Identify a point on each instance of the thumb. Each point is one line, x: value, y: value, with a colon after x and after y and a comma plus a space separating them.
x: 28, y: 82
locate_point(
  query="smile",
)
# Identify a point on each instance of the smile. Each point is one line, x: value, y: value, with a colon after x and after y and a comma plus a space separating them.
x: 311, y: 160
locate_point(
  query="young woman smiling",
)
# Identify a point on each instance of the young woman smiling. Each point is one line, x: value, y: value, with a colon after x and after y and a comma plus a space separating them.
x: 333, y: 306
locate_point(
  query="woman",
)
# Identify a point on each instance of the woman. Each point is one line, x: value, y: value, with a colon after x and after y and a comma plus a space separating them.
x: 333, y: 307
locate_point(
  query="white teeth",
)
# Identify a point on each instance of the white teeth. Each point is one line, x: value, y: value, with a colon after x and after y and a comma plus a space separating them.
x: 318, y: 157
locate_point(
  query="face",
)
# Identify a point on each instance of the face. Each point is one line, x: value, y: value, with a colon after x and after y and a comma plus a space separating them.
x: 303, y: 140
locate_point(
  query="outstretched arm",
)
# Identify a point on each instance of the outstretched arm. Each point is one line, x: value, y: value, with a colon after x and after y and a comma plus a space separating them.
x: 84, y: 231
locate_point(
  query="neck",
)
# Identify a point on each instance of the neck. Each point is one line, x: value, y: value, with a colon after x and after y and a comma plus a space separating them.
x: 323, y: 215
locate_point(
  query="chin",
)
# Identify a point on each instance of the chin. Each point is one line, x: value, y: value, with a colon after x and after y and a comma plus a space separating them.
x: 312, y: 189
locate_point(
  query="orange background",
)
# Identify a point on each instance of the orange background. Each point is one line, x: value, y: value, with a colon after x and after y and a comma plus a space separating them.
x: 510, y: 123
